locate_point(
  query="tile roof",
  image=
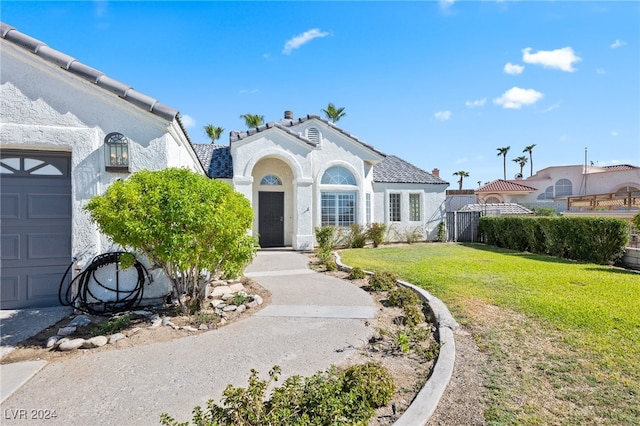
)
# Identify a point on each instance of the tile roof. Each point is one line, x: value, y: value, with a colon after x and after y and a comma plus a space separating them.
x: 396, y: 170
x: 216, y: 160
x: 619, y: 167
x: 500, y: 185
x: 87, y: 73
x: 285, y: 124
x: 496, y: 209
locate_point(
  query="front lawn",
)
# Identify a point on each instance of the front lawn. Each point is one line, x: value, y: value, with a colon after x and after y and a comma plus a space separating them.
x: 563, y: 338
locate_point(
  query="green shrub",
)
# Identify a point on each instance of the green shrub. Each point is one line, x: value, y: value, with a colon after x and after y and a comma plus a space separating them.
x: 326, y: 237
x: 382, y: 281
x: 357, y: 238
x: 636, y: 221
x: 376, y: 232
x: 402, y: 296
x: 357, y: 274
x: 113, y: 325
x: 331, y: 265
x: 588, y: 239
x: 442, y: 232
x: 326, y: 398
x: 324, y: 255
x: 412, y: 315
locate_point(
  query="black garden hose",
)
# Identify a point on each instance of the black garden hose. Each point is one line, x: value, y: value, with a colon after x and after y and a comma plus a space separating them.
x: 83, y: 299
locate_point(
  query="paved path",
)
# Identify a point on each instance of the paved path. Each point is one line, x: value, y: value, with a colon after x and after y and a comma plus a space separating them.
x: 311, y: 317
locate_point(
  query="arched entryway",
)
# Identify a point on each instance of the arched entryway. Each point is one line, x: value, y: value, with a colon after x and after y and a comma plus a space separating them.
x: 273, y: 190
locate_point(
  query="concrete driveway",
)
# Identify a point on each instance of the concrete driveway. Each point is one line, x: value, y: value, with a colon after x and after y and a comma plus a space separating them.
x: 314, y: 321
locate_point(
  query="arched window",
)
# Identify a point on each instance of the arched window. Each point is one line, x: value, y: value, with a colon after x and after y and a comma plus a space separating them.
x: 338, y: 176
x: 563, y: 188
x: 271, y: 180
x: 635, y: 192
x: 492, y: 200
x: 547, y: 194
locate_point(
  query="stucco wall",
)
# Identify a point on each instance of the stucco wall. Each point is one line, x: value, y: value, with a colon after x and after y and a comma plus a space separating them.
x: 432, y: 209
x: 43, y: 107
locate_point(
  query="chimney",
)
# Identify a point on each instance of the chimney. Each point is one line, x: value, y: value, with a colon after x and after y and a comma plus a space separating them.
x: 288, y: 115
x: 436, y: 172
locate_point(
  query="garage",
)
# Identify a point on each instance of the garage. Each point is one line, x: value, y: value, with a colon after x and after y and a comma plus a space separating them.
x: 36, y: 226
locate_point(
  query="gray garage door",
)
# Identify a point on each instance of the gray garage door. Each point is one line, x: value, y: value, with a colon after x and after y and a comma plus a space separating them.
x: 35, y: 226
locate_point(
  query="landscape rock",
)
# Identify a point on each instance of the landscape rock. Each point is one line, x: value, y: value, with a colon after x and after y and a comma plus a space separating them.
x: 116, y: 337
x: 252, y: 304
x: 166, y: 320
x: 203, y: 327
x: 216, y: 303
x: 80, y: 321
x: 65, y: 331
x: 51, y: 341
x: 229, y: 308
x: 241, y: 309
x: 189, y: 328
x: 70, y: 345
x: 237, y: 287
x: 220, y: 291
x: 258, y: 299
x: 228, y: 296
x: 143, y: 313
x: 156, y: 323
x: 95, y: 342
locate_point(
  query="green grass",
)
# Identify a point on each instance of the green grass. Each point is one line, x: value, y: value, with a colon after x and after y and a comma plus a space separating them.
x: 573, y: 328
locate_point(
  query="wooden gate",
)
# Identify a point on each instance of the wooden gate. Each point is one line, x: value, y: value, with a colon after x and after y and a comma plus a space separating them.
x: 463, y: 226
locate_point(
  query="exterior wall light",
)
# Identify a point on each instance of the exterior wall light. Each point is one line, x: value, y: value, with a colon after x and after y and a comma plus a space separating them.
x: 116, y: 153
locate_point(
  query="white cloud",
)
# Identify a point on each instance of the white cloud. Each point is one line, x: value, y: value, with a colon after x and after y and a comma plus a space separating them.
x: 551, y: 108
x: 302, y: 39
x: 476, y: 103
x: 516, y: 97
x: 101, y: 7
x: 446, y: 4
x: 562, y: 59
x: 618, y: 43
x: 443, y: 115
x: 187, y: 121
x: 513, y: 69
x: 600, y: 71
x: 248, y: 91
x: 614, y: 133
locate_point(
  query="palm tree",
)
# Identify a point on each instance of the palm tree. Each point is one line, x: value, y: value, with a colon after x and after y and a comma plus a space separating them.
x: 334, y: 114
x: 252, y: 120
x: 529, y: 149
x: 213, y: 132
x: 503, y: 151
x: 462, y: 175
x: 522, y: 160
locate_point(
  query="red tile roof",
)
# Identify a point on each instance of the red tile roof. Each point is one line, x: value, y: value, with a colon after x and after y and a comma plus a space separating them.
x: 500, y: 185
x: 619, y: 167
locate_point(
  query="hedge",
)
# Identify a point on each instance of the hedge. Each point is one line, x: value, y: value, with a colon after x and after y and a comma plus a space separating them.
x: 589, y: 239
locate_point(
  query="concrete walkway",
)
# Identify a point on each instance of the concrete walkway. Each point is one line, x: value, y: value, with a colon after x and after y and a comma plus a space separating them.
x: 313, y: 321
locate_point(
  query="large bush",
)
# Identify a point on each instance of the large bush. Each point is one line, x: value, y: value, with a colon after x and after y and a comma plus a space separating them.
x: 184, y: 222
x: 590, y: 239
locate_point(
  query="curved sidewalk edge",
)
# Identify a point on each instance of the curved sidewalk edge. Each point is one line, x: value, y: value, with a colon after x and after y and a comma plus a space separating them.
x: 426, y: 401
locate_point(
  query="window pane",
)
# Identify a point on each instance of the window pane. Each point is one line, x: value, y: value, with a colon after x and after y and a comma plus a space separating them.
x: 271, y: 180
x: 338, y: 176
x: 368, y: 207
x: 338, y: 208
x: 563, y: 188
x: 394, y: 207
x: 414, y: 207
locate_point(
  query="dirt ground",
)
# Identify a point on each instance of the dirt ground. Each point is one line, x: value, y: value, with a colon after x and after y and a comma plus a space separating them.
x: 461, y: 403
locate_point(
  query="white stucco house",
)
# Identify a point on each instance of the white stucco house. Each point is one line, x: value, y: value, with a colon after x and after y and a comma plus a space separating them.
x: 300, y: 174
x: 553, y: 186
x: 67, y: 131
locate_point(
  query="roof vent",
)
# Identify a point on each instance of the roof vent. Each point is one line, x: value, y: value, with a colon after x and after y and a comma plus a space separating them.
x: 288, y: 115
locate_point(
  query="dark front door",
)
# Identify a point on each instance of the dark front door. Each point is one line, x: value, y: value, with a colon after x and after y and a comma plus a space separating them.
x: 271, y: 219
x: 35, y: 228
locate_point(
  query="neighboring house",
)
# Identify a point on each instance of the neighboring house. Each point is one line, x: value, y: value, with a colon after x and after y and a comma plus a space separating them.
x: 300, y: 174
x: 67, y: 132
x: 552, y: 186
x: 497, y: 209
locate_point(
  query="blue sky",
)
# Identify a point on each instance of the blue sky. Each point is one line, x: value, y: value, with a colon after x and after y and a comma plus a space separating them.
x: 439, y: 83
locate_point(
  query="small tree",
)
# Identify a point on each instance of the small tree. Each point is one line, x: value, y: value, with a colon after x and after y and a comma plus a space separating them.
x: 522, y: 161
x: 462, y: 174
x: 182, y: 221
x: 334, y: 114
